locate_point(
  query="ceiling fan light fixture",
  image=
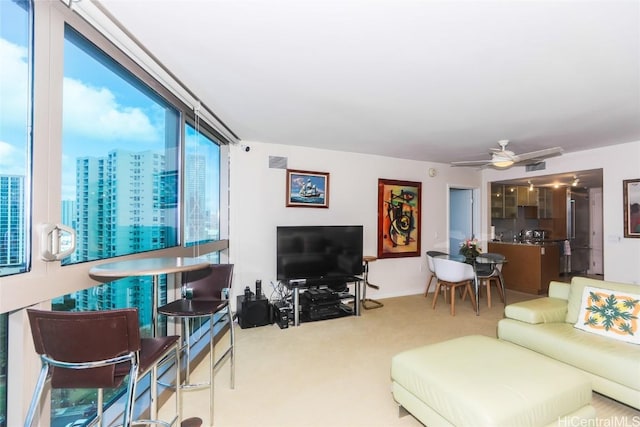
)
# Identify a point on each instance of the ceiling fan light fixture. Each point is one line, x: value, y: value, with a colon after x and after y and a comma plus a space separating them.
x: 502, y: 159
x: 502, y: 163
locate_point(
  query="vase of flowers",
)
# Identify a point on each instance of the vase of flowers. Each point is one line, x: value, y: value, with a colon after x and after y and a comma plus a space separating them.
x: 470, y: 249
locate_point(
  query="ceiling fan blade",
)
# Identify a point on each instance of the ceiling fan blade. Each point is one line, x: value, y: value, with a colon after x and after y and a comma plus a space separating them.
x: 474, y: 163
x: 540, y: 154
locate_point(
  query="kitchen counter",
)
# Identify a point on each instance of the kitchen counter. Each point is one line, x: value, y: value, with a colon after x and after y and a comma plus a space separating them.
x: 529, y: 267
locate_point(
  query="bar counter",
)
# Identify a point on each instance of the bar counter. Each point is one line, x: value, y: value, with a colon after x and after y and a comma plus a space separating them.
x: 529, y: 267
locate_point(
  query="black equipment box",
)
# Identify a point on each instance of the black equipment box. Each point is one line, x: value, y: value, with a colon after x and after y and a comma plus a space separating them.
x: 319, y: 297
x: 282, y: 313
x: 253, y: 312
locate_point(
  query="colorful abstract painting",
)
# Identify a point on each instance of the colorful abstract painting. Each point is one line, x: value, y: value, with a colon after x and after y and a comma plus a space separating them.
x: 398, y: 218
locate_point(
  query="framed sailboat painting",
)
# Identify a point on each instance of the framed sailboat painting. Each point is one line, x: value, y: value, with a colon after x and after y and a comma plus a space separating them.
x: 306, y: 189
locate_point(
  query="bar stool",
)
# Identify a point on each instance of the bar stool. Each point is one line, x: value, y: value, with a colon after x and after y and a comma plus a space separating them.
x: 98, y: 349
x: 371, y: 302
x: 202, y: 298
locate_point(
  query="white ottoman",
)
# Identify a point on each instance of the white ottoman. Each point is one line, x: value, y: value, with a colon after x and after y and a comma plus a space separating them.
x: 481, y: 381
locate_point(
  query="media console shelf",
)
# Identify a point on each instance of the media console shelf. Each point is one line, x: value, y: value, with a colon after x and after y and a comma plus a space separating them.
x: 315, y: 292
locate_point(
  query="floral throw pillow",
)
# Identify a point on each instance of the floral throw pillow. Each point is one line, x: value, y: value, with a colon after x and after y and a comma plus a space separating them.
x: 610, y: 313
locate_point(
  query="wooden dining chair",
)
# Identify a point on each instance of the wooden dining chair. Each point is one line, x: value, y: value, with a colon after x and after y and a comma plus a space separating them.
x: 489, y: 271
x: 432, y: 270
x: 452, y: 275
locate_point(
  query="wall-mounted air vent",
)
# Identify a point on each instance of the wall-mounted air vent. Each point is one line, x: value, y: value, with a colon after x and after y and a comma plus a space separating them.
x: 540, y: 166
x: 276, y: 162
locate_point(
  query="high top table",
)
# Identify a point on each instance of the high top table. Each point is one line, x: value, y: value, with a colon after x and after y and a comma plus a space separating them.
x: 149, y: 267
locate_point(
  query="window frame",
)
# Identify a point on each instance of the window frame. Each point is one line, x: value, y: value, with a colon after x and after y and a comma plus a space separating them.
x: 48, y: 280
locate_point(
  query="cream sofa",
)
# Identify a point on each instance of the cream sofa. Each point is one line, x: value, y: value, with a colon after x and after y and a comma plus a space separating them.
x: 546, y: 326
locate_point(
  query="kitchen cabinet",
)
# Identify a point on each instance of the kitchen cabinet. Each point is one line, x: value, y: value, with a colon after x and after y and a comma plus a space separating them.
x: 545, y: 203
x: 529, y: 268
x: 503, y: 201
x: 527, y: 197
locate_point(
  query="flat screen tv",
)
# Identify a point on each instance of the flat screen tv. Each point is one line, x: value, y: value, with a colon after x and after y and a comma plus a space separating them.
x: 319, y: 254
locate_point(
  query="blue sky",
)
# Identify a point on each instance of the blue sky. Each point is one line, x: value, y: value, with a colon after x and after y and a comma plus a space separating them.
x: 14, y: 81
x: 104, y: 107
x: 101, y: 111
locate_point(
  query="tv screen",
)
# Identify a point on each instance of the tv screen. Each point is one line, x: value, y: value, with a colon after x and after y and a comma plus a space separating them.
x: 319, y: 253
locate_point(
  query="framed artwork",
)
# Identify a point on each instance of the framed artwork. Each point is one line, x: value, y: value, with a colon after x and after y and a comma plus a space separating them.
x: 306, y: 189
x: 631, y: 197
x: 399, y: 204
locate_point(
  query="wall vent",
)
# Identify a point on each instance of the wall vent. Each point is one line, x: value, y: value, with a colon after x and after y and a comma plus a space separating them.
x: 276, y: 162
x: 540, y: 166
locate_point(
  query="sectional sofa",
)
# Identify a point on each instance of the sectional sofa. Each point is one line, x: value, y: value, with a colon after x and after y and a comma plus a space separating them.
x: 596, y: 331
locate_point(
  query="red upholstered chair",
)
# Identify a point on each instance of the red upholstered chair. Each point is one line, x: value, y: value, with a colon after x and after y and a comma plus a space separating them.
x: 97, y: 349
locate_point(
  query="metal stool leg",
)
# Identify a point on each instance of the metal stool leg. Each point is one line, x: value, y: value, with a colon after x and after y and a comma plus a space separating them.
x: 368, y: 303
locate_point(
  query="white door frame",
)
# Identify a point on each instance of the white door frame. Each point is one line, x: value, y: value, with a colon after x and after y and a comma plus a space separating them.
x: 475, y: 213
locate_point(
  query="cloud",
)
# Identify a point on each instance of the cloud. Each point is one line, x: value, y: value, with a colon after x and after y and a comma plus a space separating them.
x: 14, y: 80
x: 88, y: 111
x: 95, y: 112
x: 12, y: 160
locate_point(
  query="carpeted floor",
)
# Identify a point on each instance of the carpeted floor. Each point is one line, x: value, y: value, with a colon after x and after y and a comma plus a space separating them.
x: 336, y: 372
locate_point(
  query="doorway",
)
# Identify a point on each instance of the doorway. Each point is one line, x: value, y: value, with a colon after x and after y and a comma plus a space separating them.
x: 462, y: 217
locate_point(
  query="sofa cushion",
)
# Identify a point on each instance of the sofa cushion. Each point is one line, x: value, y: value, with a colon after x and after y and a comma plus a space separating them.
x: 612, y: 359
x: 577, y: 287
x: 540, y: 310
x: 613, y: 314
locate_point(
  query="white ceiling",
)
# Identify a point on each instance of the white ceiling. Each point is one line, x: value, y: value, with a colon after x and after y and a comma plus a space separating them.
x: 428, y: 80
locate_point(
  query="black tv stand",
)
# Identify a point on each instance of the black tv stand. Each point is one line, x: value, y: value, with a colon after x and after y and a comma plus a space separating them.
x: 325, y: 306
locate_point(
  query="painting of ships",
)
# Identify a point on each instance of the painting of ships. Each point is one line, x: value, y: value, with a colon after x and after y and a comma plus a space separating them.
x: 309, y: 190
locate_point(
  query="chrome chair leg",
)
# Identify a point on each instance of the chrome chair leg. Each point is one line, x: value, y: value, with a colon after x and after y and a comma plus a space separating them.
x: 35, y: 400
x: 232, y: 338
x: 211, y: 368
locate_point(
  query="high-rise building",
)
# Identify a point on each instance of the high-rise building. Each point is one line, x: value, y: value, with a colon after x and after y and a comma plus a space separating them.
x: 12, y: 223
x: 120, y: 209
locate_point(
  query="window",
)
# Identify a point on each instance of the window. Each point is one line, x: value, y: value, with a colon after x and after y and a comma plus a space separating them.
x: 119, y: 185
x: 111, y: 120
x: 15, y: 145
x: 116, y: 165
x: 201, y: 187
x: 15, y: 134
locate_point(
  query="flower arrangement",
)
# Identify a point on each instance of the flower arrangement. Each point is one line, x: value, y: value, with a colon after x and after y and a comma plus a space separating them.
x: 470, y: 248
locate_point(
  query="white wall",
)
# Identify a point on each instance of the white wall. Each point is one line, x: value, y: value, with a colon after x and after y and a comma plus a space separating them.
x: 619, y: 162
x: 258, y: 206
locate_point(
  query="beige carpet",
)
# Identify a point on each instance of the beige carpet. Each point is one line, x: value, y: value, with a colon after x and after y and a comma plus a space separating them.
x: 336, y: 372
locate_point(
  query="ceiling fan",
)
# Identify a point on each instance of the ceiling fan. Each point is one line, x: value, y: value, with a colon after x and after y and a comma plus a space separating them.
x: 501, y: 158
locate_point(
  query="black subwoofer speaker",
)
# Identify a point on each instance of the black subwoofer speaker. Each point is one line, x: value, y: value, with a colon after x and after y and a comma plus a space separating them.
x: 254, y: 312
